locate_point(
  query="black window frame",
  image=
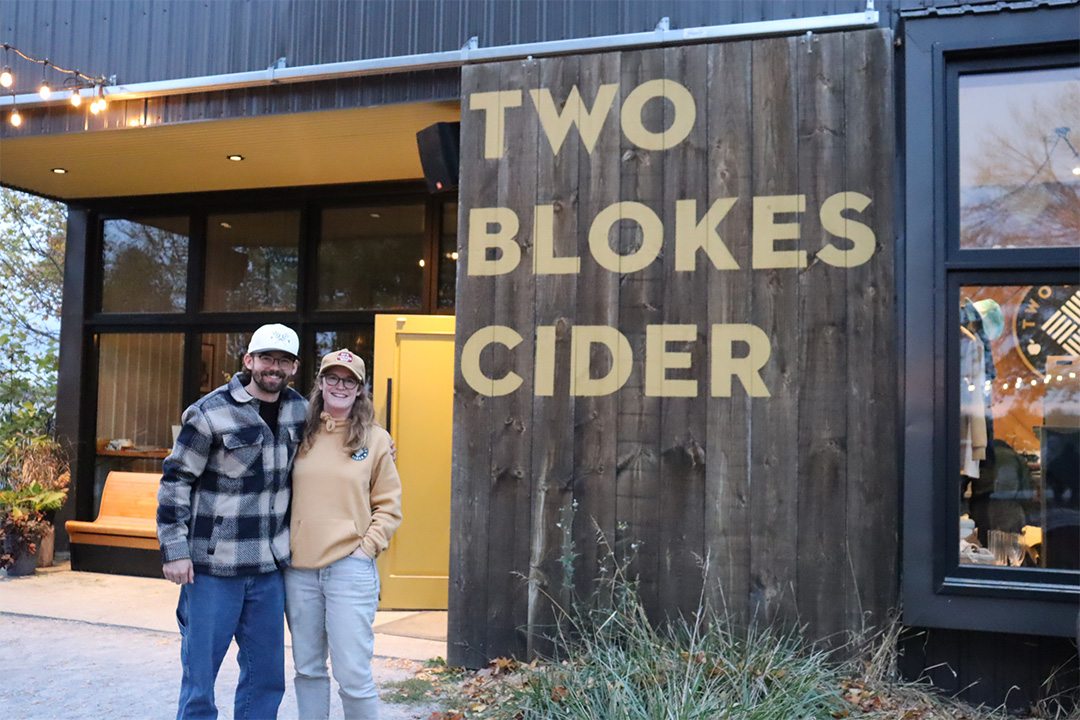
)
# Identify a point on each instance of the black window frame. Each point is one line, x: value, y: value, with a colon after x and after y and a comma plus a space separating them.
x: 193, y: 321
x: 937, y: 591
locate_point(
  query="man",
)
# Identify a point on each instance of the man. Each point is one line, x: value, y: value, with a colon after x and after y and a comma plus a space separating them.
x: 223, y: 527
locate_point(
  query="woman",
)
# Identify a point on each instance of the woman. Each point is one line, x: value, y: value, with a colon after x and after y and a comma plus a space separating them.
x: 346, y: 504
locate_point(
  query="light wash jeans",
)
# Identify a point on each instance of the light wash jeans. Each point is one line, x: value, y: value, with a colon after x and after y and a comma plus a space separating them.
x: 332, y: 608
x: 212, y: 611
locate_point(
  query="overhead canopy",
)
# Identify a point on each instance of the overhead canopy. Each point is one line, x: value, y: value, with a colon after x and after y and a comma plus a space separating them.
x: 337, y: 146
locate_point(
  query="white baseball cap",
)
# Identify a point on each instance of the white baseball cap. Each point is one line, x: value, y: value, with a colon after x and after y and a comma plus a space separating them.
x: 274, y: 337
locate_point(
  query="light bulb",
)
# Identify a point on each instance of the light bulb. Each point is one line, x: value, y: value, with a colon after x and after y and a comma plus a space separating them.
x: 16, y: 118
x: 76, y: 98
x: 6, y: 77
x: 95, y: 108
x: 45, y: 91
x: 1076, y: 170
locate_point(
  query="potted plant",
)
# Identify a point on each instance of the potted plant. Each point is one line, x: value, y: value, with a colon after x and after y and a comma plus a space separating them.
x: 32, y: 488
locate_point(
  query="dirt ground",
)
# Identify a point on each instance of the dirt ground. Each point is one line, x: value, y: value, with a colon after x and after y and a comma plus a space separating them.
x: 72, y: 670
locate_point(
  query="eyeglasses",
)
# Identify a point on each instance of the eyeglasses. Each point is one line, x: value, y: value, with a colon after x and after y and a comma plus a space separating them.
x: 281, y: 362
x: 346, y: 382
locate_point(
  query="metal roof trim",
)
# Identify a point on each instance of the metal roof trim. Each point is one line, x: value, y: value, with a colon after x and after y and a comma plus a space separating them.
x: 471, y: 53
x: 984, y: 8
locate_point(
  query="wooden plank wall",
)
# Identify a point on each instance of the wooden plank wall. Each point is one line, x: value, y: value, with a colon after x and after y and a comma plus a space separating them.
x: 792, y: 497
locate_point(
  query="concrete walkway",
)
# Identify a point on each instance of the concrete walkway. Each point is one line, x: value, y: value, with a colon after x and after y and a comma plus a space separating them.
x: 88, y: 645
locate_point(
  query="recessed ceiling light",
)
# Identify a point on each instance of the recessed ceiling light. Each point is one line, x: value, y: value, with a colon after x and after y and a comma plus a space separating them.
x: 226, y: 225
x: 376, y: 215
x: 59, y: 171
x: 235, y: 158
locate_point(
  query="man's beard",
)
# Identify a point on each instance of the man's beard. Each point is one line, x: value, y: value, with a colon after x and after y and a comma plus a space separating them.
x: 270, y: 381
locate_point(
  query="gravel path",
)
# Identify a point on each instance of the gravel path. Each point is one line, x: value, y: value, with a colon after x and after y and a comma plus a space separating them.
x: 72, y: 670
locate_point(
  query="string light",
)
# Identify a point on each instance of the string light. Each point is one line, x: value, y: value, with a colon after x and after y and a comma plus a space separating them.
x: 7, y: 79
x: 44, y: 91
x: 76, y: 98
x: 16, y: 118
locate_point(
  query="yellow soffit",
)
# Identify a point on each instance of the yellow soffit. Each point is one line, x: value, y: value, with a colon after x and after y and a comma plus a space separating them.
x: 315, y: 148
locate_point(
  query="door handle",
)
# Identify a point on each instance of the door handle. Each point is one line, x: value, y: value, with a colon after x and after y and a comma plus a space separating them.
x: 389, y: 403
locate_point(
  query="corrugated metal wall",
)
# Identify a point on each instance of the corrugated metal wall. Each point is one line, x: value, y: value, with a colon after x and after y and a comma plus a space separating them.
x: 142, y: 40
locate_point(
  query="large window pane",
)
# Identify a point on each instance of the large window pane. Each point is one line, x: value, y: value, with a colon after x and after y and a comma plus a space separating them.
x: 144, y: 264
x: 139, y: 385
x: 1020, y: 426
x: 251, y: 261
x: 1020, y: 159
x: 371, y: 258
x: 448, y: 255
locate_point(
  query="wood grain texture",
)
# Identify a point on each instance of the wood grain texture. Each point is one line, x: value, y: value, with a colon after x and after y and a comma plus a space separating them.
x: 873, y: 381
x: 823, y: 575
x: 786, y: 494
x: 681, y: 529
x: 727, y: 472
x: 510, y: 485
x: 641, y: 296
x: 553, y: 449
x: 774, y: 429
x: 596, y: 417
x: 473, y: 420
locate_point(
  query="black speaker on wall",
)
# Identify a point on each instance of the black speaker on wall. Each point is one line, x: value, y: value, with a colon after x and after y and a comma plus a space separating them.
x: 440, y: 149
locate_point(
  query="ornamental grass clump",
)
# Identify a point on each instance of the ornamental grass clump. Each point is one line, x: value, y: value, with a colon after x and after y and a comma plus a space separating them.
x: 613, y: 663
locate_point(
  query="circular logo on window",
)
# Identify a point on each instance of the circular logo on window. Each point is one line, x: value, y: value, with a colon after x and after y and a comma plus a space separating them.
x: 1047, y: 324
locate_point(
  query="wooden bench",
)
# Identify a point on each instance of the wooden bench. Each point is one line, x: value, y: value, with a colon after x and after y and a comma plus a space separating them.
x: 128, y: 514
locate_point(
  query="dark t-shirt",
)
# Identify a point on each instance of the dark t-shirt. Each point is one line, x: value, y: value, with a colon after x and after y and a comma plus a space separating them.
x: 269, y: 413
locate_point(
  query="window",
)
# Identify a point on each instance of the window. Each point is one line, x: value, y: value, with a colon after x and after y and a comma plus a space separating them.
x: 138, y: 400
x: 372, y: 258
x: 1018, y: 419
x: 251, y: 261
x: 1019, y: 165
x: 144, y: 264
x: 179, y: 283
x: 991, y: 312
x: 448, y: 255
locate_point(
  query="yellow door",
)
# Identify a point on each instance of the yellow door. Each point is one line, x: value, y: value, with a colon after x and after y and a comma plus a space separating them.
x: 416, y: 354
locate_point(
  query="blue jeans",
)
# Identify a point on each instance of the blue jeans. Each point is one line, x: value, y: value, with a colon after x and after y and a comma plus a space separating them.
x: 214, y: 610
x: 331, y: 609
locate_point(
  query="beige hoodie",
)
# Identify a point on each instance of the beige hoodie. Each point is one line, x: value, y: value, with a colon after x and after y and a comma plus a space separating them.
x: 342, y: 502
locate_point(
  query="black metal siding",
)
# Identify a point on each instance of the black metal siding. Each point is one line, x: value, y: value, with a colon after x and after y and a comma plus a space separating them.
x: 143, y: 40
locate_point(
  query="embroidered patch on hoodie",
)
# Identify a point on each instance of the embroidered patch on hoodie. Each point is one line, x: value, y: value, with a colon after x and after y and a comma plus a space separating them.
x: 359, y: 454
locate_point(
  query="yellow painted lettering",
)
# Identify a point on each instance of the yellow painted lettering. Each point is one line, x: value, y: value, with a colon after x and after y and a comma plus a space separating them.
x: 544, y: 384
x: 470, y: 361
x: 494, y: 105
x: 582, y: 338
x: 690, y: 235
x: 658, y: 360
x: 863, y: 242
x: 501, y: 239
x: 747, y: 368
x: 574, y: 112
x: 544, y: 260
x: 652, y: 237
x: 682, y: 121
x: 767, y: 232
